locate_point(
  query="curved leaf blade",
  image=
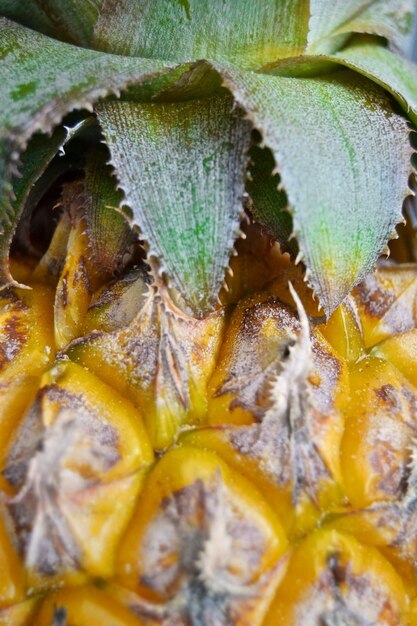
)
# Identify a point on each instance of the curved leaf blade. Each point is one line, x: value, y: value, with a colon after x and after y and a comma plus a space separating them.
x: 42, y: 80
x: 39, y: 154
x: 269, y: 203
x: 344, y: 160
x: 108, y: 230
x: 325, y: 17
x: 391, y: 71
x: 331, y: 21
x: 181, y: 167
x: 392, y: 19
x: 364, y: 55
x: 245, y: 33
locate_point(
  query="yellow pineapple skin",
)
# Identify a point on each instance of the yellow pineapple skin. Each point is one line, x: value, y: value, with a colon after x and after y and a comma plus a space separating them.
x: 378, y: 433
x: 190, y: 492
x: 12, y: 584
x: 171, y: 395
x: 85, y: 605
x: 329, y: 561
x: 20, y: 614
x: 261, y: 479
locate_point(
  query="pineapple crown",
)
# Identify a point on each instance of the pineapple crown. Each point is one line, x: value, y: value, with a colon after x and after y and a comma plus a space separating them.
x: 295, y: 109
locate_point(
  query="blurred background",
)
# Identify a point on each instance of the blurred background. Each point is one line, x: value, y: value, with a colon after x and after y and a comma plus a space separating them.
x: 413, y: 43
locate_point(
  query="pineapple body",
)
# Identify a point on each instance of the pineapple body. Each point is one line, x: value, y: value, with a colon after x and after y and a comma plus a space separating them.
x: 186, y: 437
x: 283, y: 491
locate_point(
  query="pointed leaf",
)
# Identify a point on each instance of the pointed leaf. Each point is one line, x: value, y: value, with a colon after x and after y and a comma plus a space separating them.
x: 42, y: 80
x: 366, y: 56
x: 344, y: 159
x: 35, y: 160
x: 269, y: 203
x: 181, y: 167
x: 108, y: 230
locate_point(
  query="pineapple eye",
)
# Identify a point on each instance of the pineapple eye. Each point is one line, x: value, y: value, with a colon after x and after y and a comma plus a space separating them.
x: 385, y: 302
x: 379, y: 436
x: 202, y: 545
x: 162, y: 361
x: 76, y: 447
x: 281, y: 388
x: 332, y: 579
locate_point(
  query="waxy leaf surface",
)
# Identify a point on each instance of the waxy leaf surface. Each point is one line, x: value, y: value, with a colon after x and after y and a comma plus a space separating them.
x: 342, y: 151
x: 344, y: 160
x: 42, y: 80
x: 181, y: 167
x: 393, y: 72
x: 245, y: 33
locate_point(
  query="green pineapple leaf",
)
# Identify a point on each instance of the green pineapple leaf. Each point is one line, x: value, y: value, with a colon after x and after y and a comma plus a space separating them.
x: 337, y: 142
x: 244, y: 33
x: 364, y: 55
x: 335, y: 139
x: 42, y: 80
x: 332, y: 22
x: 247, y: 33
x: 269, y: 203
x: 38, y: 155
x: 181, y: 167
x: 108, y: 230
x: 391, y: 71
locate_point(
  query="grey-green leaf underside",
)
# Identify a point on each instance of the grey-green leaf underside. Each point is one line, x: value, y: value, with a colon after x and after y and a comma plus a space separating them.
x: 39, y: 154
x: 343, y: 153
x: 243, y: 33
x: 344, y: 160
x: 108, y: 230
x: 331, y: 22
x: 42, y: 80
x: 364, y: 55
x: 181, y: 167
x: 247, y: 33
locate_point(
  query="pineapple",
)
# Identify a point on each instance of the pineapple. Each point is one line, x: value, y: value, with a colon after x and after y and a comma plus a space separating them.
x: 208, y: 387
